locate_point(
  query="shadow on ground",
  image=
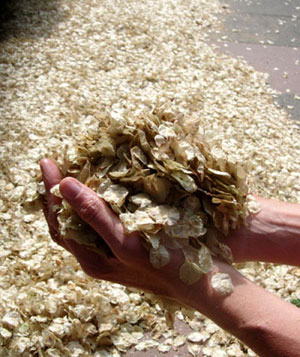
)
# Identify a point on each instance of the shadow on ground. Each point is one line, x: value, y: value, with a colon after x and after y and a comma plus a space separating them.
x: 23, y: 18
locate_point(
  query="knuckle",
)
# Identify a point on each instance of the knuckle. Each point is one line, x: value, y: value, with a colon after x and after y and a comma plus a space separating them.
x: 89, y: 209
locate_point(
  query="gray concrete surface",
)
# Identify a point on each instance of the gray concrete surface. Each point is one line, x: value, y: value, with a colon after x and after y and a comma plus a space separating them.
x: 266, y: 33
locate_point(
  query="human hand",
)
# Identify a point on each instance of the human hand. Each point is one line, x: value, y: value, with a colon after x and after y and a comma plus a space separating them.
x: 272, y: 235
x: 127, y: 262
x: 249, y: 312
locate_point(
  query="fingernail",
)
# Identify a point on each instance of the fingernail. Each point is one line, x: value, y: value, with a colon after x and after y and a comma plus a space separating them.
x: 70, y: 189
x: 43, y: 164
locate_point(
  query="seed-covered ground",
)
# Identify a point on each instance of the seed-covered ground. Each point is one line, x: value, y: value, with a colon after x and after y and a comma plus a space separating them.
x: 62, y: 64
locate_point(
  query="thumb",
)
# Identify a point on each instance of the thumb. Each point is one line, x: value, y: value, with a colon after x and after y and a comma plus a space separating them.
x: 92, y: 209
x: 95, y: 212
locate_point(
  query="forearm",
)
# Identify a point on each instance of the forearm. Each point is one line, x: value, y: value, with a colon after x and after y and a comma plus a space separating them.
x: 272, y: 235
x: 267, y: 324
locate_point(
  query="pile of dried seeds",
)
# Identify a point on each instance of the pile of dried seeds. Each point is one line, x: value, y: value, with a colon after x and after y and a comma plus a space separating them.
x: 64, y: 63
x: 159, y: 176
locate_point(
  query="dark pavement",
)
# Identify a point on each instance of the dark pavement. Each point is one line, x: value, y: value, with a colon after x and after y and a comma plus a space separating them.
x: 266, y: 33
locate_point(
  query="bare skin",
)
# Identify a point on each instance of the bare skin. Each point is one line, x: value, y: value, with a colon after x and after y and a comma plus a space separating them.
x: 272, y: 235
x: 264, y: 322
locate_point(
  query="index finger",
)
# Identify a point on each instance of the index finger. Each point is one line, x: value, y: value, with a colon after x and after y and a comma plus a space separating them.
x: 103, y: 220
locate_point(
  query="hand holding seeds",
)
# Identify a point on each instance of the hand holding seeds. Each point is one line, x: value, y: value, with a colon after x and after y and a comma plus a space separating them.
x: 247, y: 312
x: 156, y: 171
x: 120, y: 257
x: 146, y: 204
x: 163, y: 179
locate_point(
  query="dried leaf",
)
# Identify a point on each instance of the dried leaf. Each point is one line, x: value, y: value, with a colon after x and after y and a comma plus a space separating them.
x: 157, y: 187
x: 163, y: 214
x: 222, y: 283
x: 142, y: 200
x: 159, y: 257
x: 115, y: 195
x: 186, y: 181
x: 55, y: 191
x: 205, y: 259
x: 190, y: 272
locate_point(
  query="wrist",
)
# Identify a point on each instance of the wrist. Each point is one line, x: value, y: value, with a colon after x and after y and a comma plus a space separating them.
x: 267, y: 324
x: 272, y: 235
x: 275, y: 233
x: 201, y: 295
